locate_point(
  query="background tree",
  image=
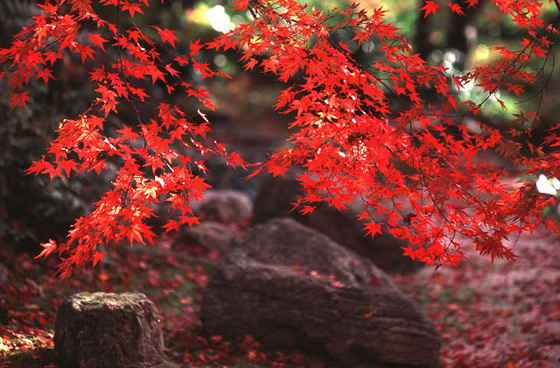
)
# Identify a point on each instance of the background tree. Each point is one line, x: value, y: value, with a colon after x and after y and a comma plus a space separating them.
x: 372, y: 121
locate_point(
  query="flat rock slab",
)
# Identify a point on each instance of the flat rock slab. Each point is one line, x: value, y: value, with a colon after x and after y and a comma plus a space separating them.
x: 105, y: 330
x: 292, y: 287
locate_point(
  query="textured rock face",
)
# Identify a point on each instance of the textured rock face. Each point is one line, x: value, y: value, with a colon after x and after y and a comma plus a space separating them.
x: 275, y: 199
x: 103, y: 330
x: 291, y: 287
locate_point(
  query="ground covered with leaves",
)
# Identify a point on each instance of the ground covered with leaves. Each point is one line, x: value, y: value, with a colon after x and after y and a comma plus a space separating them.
x: 505, y: 314
x: 500, y: 314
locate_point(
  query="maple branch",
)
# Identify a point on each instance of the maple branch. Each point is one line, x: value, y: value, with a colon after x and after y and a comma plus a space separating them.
x: 347, y: 149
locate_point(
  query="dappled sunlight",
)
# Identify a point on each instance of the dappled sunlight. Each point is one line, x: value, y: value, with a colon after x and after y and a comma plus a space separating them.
x: 215, y: 16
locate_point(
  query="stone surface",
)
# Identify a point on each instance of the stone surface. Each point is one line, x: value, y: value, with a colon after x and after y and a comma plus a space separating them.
x: 210, y: 236
x: 3, y: 274
x: 275, y: 199
x: 291, y: 287
x: 104, y: 330
x: 225, y: 206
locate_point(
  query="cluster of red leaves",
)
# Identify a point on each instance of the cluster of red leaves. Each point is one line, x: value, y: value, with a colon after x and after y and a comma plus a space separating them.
x: 364, y: 133
x: 414, y: 167
x: 156, y: 155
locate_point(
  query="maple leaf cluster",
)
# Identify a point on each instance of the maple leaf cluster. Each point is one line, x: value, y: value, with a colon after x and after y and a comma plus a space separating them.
x: 156, y: 154
x: 364, y: 133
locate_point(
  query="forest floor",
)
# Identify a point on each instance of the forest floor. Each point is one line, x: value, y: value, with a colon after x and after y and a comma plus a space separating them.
x: 501, y: 314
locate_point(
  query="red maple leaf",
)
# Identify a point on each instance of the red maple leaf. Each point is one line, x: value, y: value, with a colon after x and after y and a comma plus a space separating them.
x: 235, y: 159
x: 195, y: 46
x: 97, y: 40
x: 240, y: 5
x: 430, y: 7
x: 19, y: 99
x: 67, y: 166
x: 81, y: 6
x: 455, y: 8
x: 48, y: 8
x: 132, y: 8
x: 49, y: 247
x: 45, y: 74
x: 167, y: 35
x: 98, y: 257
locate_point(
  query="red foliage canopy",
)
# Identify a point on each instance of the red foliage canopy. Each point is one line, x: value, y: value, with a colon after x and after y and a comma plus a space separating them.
x: 363, y: 132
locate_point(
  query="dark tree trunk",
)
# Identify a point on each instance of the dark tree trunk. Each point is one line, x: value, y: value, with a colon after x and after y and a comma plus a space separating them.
x: 422, y: 44
x: 461, y: 34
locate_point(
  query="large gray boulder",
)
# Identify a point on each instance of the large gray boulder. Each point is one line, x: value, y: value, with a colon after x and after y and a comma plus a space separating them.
x: 105, y: 330
x: 276, y: 197
x: 291, y: 287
